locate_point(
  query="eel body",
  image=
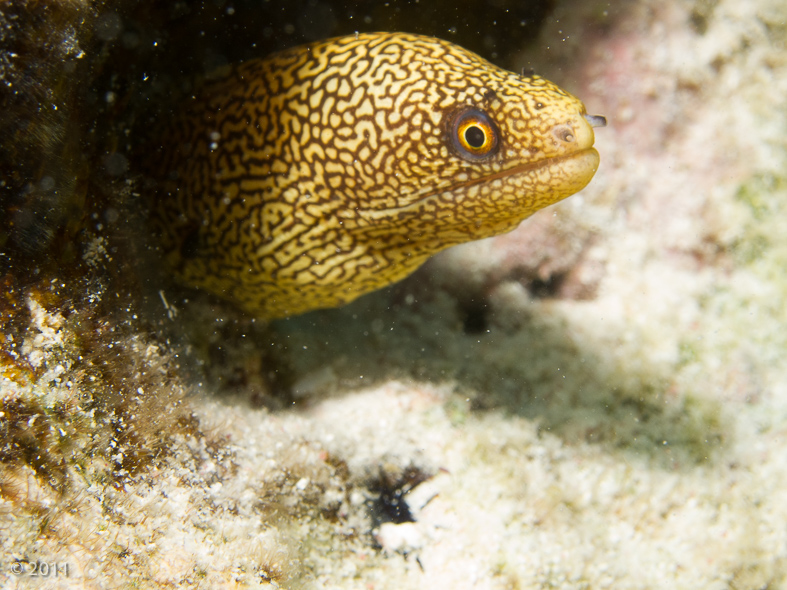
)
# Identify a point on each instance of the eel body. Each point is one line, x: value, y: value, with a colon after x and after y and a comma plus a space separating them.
x: 305, y: 179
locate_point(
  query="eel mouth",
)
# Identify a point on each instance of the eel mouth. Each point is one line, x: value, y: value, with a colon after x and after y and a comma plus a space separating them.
x: 569, y: 173
x: 583, y: 163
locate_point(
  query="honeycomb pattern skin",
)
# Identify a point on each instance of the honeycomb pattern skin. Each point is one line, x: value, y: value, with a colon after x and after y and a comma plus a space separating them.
x: 308, y: 178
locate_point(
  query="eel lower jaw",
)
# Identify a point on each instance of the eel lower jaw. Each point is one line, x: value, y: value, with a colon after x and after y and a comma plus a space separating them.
x: 579, y: 164
x: 567, y: 174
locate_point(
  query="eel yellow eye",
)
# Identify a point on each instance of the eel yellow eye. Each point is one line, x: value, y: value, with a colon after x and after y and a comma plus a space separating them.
x: 474, y: 134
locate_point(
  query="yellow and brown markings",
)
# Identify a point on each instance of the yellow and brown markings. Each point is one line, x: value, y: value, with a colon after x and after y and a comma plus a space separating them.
x: 305, y: 179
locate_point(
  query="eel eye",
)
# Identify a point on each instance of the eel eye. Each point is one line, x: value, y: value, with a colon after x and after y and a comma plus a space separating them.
x: 474, y: 134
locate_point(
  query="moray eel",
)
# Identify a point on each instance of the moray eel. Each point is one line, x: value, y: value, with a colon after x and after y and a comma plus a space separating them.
x: 308, y: 178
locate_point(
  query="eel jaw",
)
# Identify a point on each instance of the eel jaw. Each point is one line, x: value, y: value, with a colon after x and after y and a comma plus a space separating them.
x: 582, y: 164
x: 566, y: 174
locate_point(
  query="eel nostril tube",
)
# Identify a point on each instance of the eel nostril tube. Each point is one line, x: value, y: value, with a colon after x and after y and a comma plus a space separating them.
x: 596, y: 120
